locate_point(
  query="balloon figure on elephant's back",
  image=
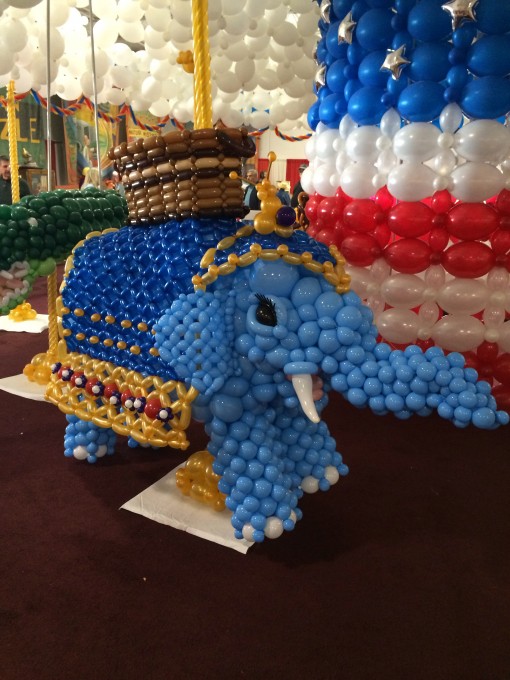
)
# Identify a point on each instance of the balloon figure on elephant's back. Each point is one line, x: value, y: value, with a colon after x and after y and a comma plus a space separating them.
x: 245, y: 328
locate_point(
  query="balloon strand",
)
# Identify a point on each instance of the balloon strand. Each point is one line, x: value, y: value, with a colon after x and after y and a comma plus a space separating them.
x: 202, y: 76
x: 52, y: 315
x: 13, y: 141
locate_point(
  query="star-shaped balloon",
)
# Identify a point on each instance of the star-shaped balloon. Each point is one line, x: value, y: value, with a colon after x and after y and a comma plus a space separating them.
x: 325, y: 9
x: 460, y: 10
x: 395, y: 62
x: 320, y: 78
x: 346, y: 29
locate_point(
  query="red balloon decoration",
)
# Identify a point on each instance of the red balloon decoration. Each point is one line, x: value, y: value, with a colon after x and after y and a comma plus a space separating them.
x: 362, y: 215
x: 468, y: 259
x: 410, y: 219
x: 408, y: 255
x: 471, y: 221
x: 360, y: 250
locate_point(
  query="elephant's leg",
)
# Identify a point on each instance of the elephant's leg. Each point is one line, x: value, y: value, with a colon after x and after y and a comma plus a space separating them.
x: 250, y: 459
x: 86, y: 441
x: 312, y: 460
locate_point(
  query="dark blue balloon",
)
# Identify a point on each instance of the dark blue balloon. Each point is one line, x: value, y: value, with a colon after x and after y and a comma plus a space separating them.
x: 396, y: 87
x: 369, y: 71
x: 421, y: 102
x: 490, y: 56
x: 487, y: 97
x: 404, y: 6
x: 429, y: 61
x: 335, y: 78
x: 464, y: 35
x: 402, y: 38
x: 323, y: 93
x: 374, y: 31
x: 429, y: 22
x: 493, y: 16
x: 321, y: 50
x: 327, y: 110
x: 341, y: 8
x: 398, y: 22
x: 350, y: 72
x: 458, y: 77
x: 336, y: 49
x: 313, y: 116
x: 365, y: 106
x: 355, y: 54
x: 380, y: 3
x: 358, y: 9
x: 351, y: 87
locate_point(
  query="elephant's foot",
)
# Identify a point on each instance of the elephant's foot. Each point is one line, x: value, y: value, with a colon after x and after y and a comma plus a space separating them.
x: 198, y: 480
x: 85, y: 441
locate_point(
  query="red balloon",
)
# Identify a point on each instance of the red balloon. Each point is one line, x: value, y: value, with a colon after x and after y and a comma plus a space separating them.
x: 408, y: 255
x: 471, y: 221
x: 362, y: 215
x: 384, y: 199
x: 382, y: 234
x: 311, y: 207
x: 327, y: 236
x: 360, y: 249
x: 438, y: 239
x: 152, y: 407
x: 501, y: 394
x: 500, y: 241
x: 469, y: 259
x: 487, y: 352
x: 502, y: 369
x: 441, y: 201
x: 503, y: 202
x: 472, y: 360
x: 312, y: 230
x: 329, y: 211
x: 410, y: 219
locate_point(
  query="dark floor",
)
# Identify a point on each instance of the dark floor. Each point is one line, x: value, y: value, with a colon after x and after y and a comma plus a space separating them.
x: 401, y: 571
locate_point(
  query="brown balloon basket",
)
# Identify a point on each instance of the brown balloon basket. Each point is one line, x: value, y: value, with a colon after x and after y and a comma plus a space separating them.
x: 180, y: 174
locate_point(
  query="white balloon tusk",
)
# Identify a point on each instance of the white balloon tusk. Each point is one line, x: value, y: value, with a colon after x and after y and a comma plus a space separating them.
x: 302, y: 384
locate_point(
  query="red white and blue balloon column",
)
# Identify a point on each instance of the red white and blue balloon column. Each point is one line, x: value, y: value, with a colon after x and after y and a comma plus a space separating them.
x: 409, y: 173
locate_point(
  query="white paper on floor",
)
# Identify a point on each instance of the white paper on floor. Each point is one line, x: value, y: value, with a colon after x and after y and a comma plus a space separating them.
x: 164, y: 503
x: 37, y: 325
x: 21, y: 386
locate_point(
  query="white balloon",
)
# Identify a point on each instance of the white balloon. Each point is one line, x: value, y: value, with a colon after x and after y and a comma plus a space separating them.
x: 159, y: 69
x: 57, y: 44
x: 121, y: 76
x: 244, y: 70
x: 179, y: 35
x: 87, y: 84
x: 451, y: 118
x: 305, y: 67
x: 390, y: 123
x: 23, y: 4
x: 237, y: 24
x: 361, y: 280
x: 356, y: 180
x: 285, y: 72
x: 458, y: 333
x: 445, y: 162
x: 14, y: 34
x: 416, y: 142
x: 151, y: 89
x: 105, y: 9
x: 324, y: 143
x: 259, y: 119
x: 68, y: 87
x: 158, y: 18
x: 232, y: 118
x: 237, y: 51
x: 463, y: 296
x: 398, y: 325
x: 294, y: 109
x: 131, y: 31
x: 403, y: 290
x: 347, y: 125
x: 23, y: 81
x: 285, y: 33
x: 361, y: 143
x: 307, y: 180
x: 258, y: 29
x: 307, y: 24
x: 159, y: 108
x: 322, y: 180
x: 483, y: 140
x: 105, y: 33
x: 115, y: 96
x: 475, y: 182
x: 122, y: 54
x: 411, y: 182
x: 231, y: 7
x: 276, y: 114
x: 267, y: 79
x: 154, y: 38
x: 129, y: 10
x: 102, y: 62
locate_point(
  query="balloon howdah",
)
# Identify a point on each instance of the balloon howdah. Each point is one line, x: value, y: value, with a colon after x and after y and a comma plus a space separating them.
x: 245, y: 328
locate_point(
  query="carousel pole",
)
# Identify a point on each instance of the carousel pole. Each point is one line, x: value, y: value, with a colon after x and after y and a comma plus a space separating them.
x: 202, y: 96
x: 94, y: 92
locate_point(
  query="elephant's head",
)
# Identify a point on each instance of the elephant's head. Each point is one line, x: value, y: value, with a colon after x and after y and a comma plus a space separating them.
x: 275, y: 324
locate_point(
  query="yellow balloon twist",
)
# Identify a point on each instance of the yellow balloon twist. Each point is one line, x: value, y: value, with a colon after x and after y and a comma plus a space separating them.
x: 202, y: 59
x: 198, y: 480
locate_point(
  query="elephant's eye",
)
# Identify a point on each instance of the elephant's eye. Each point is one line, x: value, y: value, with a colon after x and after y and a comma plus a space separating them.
x: 266, y: 311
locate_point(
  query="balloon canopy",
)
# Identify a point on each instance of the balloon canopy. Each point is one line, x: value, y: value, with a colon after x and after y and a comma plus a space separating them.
x: 262, y: 60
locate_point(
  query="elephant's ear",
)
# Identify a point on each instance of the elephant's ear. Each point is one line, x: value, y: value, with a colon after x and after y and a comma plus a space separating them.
x: 196, y: 338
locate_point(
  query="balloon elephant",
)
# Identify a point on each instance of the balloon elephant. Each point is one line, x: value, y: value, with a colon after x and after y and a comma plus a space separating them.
x: 250, y: 331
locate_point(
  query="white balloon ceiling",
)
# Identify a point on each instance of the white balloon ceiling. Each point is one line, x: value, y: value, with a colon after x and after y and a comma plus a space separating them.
x: 261, y: 55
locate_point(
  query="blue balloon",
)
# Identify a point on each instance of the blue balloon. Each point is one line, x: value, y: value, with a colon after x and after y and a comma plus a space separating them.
x: 322, y: 50
x: 336, y: 49
x: 458, y: 77
x: 365, y: 106
x: 341, y: 8
x: 404, y: 6
x: 323, y: 93
x: 327, y: 109
x: 421, y: 102
x: 380, y: 3
x: 429, y: 61
x: 493, y: 17
x: 355, y: 53
x: 369, y: 71
x: 429, y: 22
x: 490, y: 56
x: 374, y: 30
x: 358, y: 9
x: 351, y: 87
x: 402, y: 38
x: 335, y: 78
x: 487, y: 97
x: 313, y: 116
x: 464, y: 35
x: 396, y: 87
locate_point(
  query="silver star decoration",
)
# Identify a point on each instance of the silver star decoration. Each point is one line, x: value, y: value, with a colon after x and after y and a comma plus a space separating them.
x: 325, y: 9
x: 460, y: 10
x: 346, y: 29
x: 395, y: 62
x: 320, y: 78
